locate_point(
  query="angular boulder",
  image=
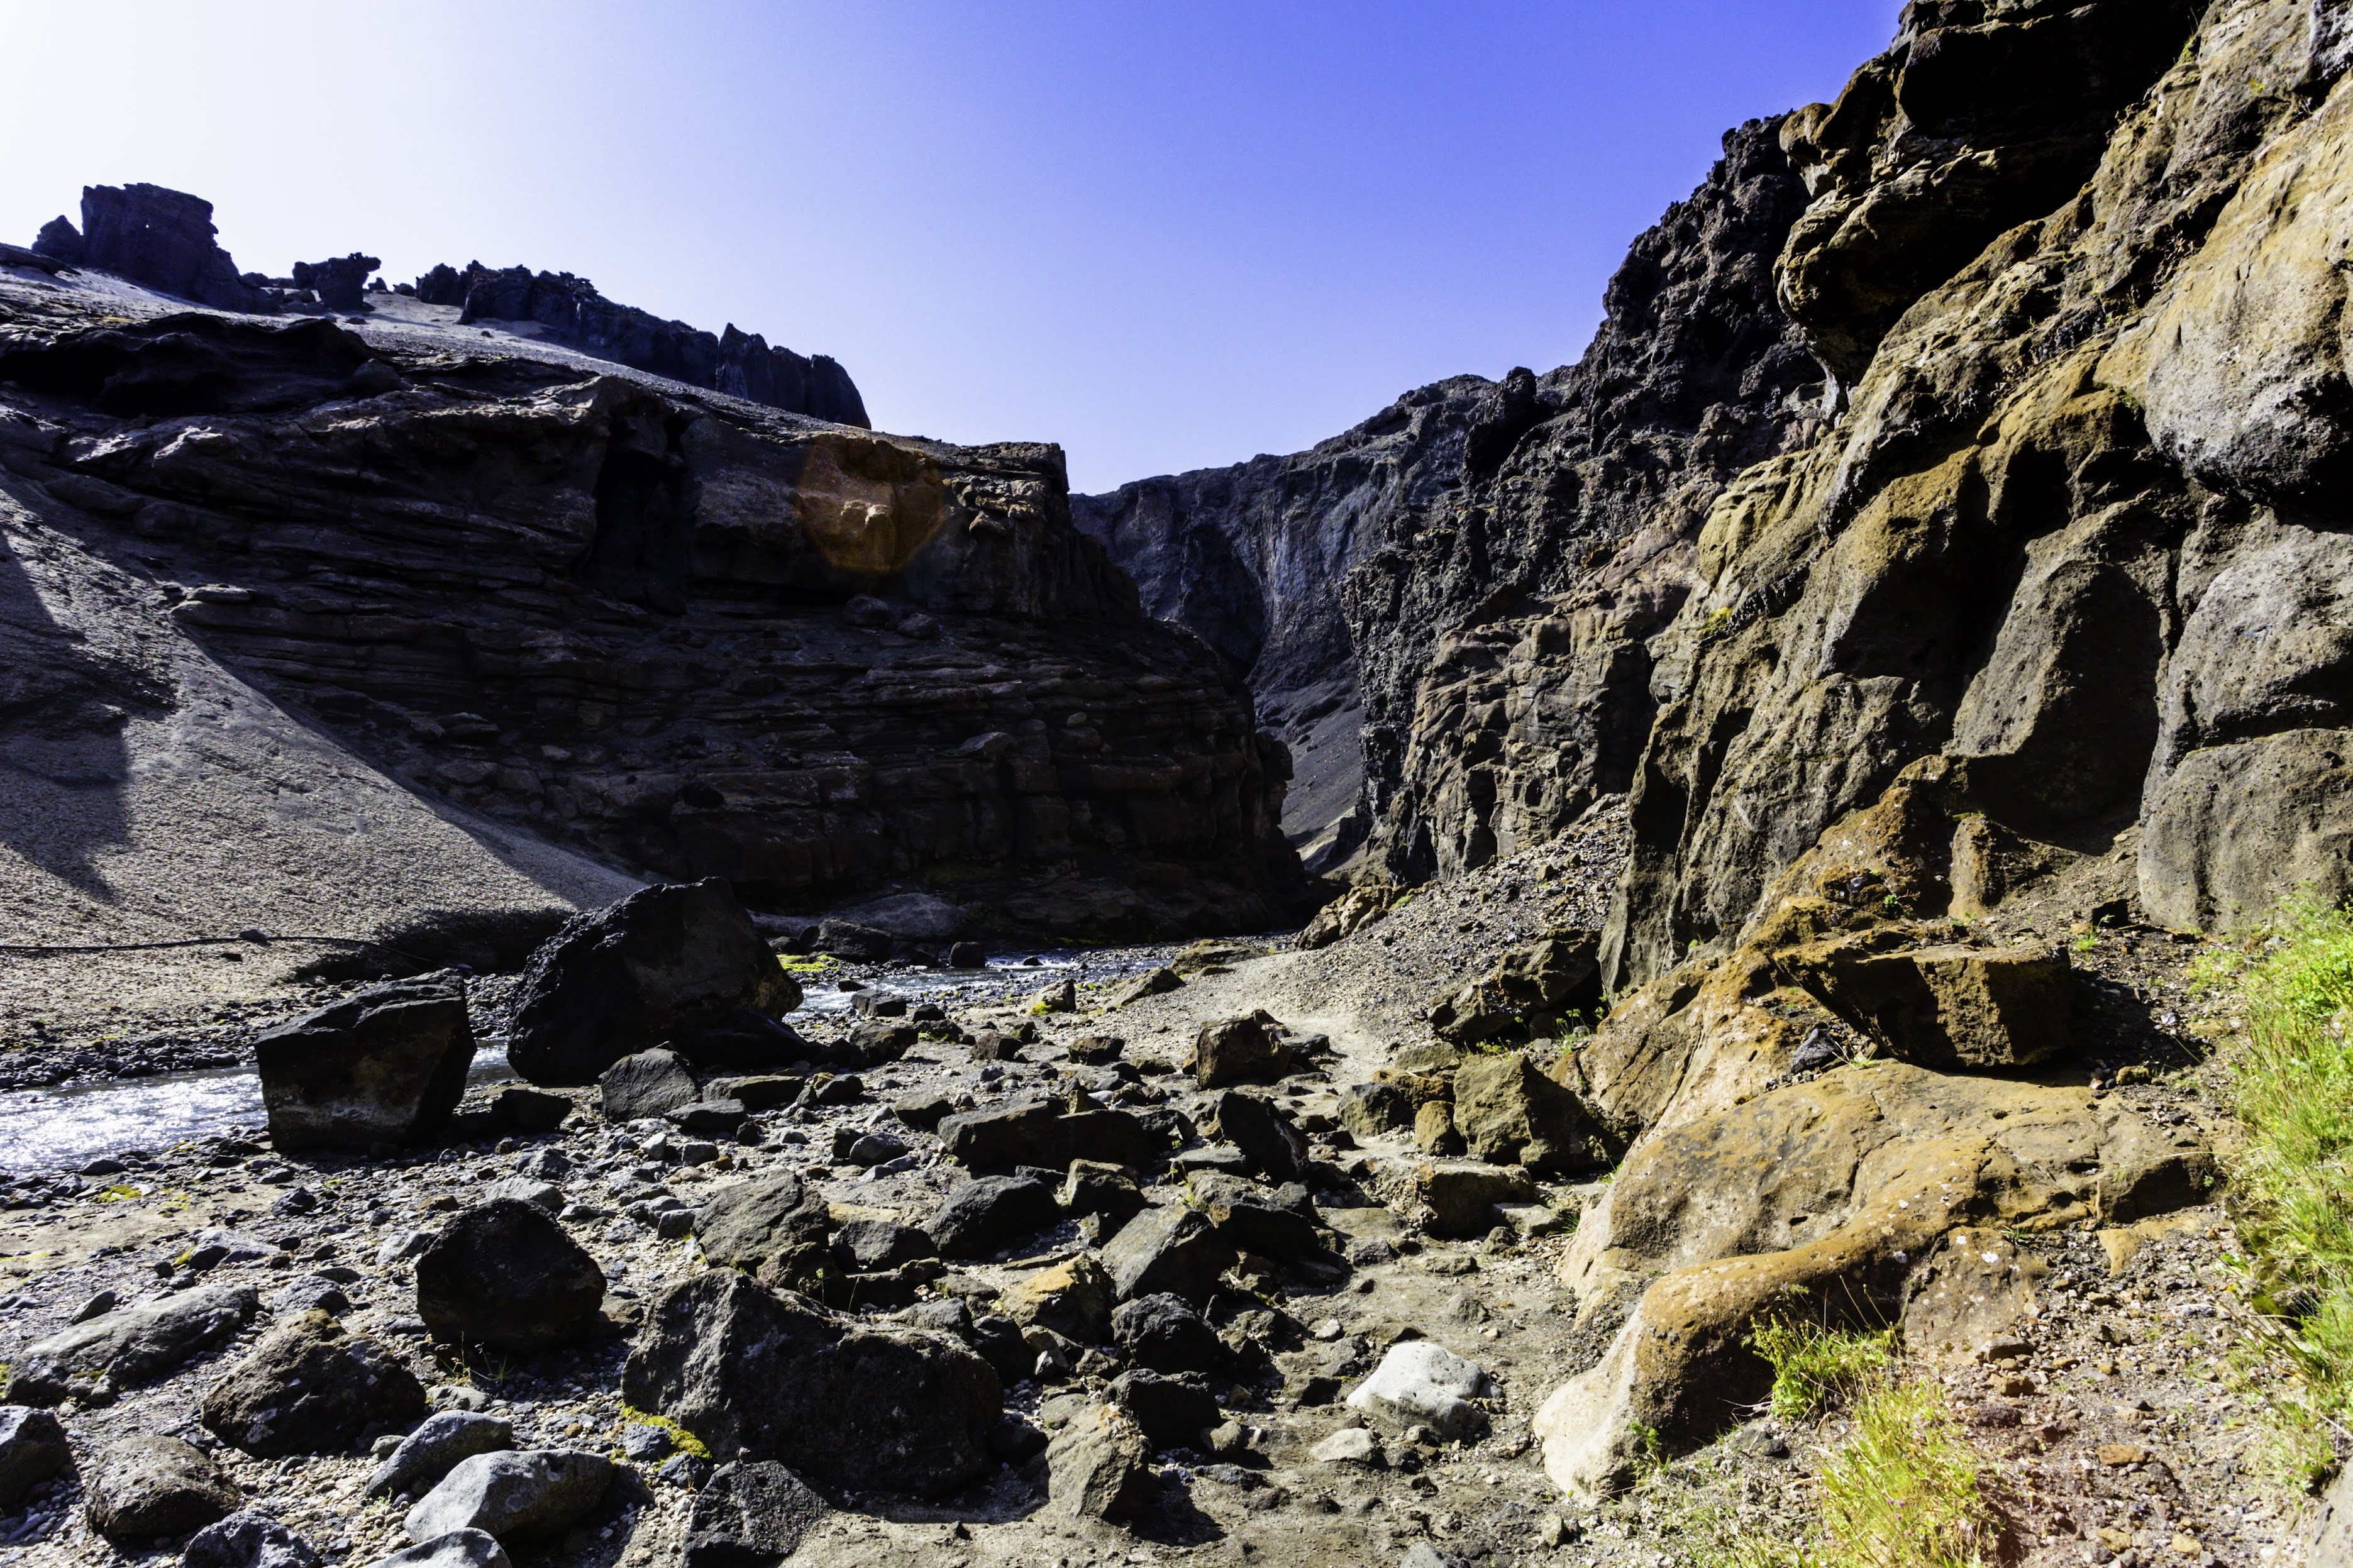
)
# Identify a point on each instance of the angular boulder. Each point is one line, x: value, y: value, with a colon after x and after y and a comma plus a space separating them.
x: 772, y: 1226
x: 1347, y: 915
x: 758, y: 1374
x: 428, y: 1453
x: 1253, y: 1219
x: 311, y: 1387
x: 1164, y: 1332
x: 989, y: 1213
x: 385, y: 1066
x: 33, y: 1447
x: 143, y: 1486
x: 1509, y: 1113
x: 1073, y: 1299
x: 1171, y: 1250
x: 1267, y: 1138
x: 1462, y: 1194
x: 1240, y: 1050
x: 749, y: 1512
x: 516, y: 1496
x: 131, y: 1345
x: 1420, y: 1383
x: 1015, y: 1132
x: 1095, y: 1187
x: 506, y: 1275
x: 1172, y: 1411
x: 665, y: 963
x: 1151, y: 983
x: 1954, y: 1005
x: 1528, y: 991
x: 646, y: 1085
x: 1376, y: 1109
x: 1100, y: 1467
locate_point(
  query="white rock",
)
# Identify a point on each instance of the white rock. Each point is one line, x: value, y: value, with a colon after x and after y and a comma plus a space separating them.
x: 1351, y: 1446
x: 1421, y: 1381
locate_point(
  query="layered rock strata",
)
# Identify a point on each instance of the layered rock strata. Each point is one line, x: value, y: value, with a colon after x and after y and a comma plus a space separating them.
x: 675, y: 631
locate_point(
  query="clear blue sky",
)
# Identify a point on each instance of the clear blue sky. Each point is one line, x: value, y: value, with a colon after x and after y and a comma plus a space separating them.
x: 1165, y: 235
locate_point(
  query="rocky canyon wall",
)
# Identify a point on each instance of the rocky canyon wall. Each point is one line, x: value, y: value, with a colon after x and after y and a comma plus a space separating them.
x: 674, y: 632
x: 1483, y: 562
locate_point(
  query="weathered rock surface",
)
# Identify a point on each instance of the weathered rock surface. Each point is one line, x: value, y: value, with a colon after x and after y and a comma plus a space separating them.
x: 386, y: 1066
x: 760, y: 1375
x: 749, y: 1512
x: 566, y: 607
x: 129, y: 1345
x: 659, y: 967
x: 309, y: 1387
x: 1531, y: 990
x: 1100, y: 1467
x: 1508, y: 1113
x: 247, y: 1538
x: 1164, y: 1332
x: 428, y: 1454
x: 1170, y: 1250
x: 33, y: 1447
x: 989, y: 1213
x: 645, y: 1084
x: 1502, y: 551
x: 143, y: 1486
x: 506, y: 1274
x: 771, y: 1225
x: 518, y: 1498
x: 1418, y: 1382
x: 1240, y: 1050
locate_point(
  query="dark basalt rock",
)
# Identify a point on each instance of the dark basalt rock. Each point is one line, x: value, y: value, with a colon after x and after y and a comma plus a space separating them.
x: 144, y: 1485
x: 771, y: 1225
x: 646, y: 1084
x: 762, y: 1376
x: 667, y: 964
x: 159, y: 238
x: 741, y: 363
x: 33, y: 1447
x: 386, y: 1066
x: 309, y: 1387
x: 342, y: 283
x: 990, y: 1213
x: 1164, y: 1332
x: 751, y: 1513
x: 504, y: 1275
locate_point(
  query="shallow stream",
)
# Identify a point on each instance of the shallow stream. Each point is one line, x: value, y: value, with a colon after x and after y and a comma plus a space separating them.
x: 63, y: 1128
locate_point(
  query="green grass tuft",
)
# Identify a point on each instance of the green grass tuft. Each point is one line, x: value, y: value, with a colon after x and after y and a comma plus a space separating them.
x: 2290, y: 1080
x: 1814, y: 1367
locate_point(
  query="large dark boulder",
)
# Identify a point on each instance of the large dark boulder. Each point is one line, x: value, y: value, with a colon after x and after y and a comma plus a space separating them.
x: 1172, y: 1250
x: 519, y: 1498
x: 309, y: 1387
x: 504, y: 1275
x: 386, y: 1066
x: 989, y: 1213
x: 1164, y: 1332
x: 750, y: 1514
x: 644, y: 1085
x: 1268, y: 1140
x: 665, y: 963
x: 33, y: 1447
x: 761, y: 1375
x: 144, y: 1485
x: 771, y: 1226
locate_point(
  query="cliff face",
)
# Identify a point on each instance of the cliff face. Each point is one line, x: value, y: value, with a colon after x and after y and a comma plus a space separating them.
x: 1485, y: 560
x: 2078, y: 528
x: 678, y: 632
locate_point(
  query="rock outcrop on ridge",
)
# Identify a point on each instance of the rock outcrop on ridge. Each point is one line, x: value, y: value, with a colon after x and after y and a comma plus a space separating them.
x: 164, y: 240
x: 741, y: 364
x: 669, y: 631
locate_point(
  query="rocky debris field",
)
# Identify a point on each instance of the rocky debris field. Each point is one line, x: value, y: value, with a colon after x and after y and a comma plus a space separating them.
x: 1217, y: 1252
